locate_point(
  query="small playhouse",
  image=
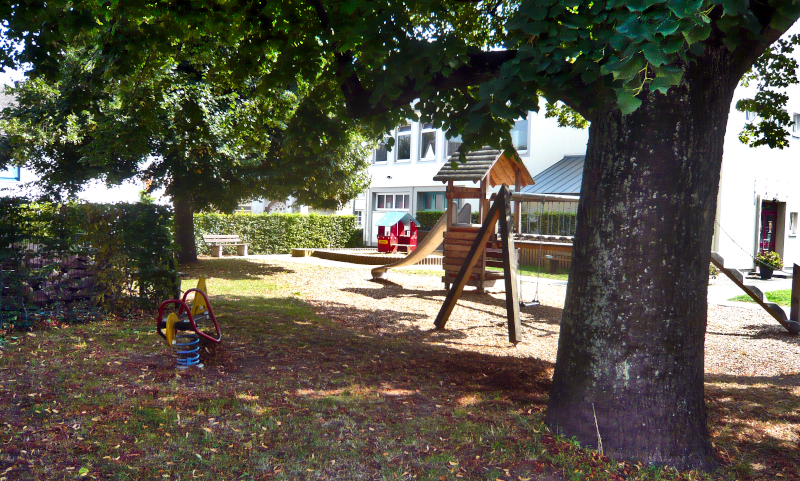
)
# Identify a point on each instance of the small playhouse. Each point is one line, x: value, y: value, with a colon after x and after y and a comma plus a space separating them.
x: 397, y: 230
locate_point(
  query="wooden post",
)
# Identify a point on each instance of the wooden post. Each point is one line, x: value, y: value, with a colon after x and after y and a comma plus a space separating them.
x: 478, y: 247
x: 450, y: 198
x: 794, y: 314
x: 484, y: 210
x: 517, y: 203
x: 509, y: 266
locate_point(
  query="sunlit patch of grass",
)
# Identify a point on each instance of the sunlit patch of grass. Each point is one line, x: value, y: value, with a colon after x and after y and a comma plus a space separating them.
x: 780, y: 297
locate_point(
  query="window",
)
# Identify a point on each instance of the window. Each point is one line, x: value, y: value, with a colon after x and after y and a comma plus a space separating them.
x: 245, y: 208
x: 359, y: 218
x: 380, y: 154
x: 10, y: 173
x: 796, y: 125
x: 749, y: 115
x: 392, y: 201
x: 433, y: 201
x: 793, y: 223
x: 427, y: 142
x: 403, y: 145
x: 452, y: 145
x: 519, y: 135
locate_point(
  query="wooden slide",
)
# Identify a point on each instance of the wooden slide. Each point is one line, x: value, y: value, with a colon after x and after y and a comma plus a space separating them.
x: 431, y: 242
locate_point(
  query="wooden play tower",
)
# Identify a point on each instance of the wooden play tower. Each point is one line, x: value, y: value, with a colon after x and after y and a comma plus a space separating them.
x: 489, y: 168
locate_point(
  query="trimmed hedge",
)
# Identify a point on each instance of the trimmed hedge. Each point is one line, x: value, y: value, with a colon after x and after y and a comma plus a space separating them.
x: 279, y: 233
x: 548, y: 223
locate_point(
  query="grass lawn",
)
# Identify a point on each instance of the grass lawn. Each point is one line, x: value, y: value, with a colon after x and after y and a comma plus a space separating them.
x: 290, y: 395
x: 782, y: 297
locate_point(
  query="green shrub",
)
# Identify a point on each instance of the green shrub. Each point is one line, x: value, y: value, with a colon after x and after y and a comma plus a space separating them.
x: 428, y: 218
x: 278, y: 233
x: 62, y: 262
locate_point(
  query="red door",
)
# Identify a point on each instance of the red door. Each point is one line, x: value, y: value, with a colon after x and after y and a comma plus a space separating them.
x: 769, y: 224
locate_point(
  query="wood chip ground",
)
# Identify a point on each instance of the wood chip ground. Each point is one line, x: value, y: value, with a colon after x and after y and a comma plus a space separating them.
x: 739, y: 341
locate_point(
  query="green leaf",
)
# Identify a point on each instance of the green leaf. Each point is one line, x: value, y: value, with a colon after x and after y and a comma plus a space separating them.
x: 697, y: 34
x: 671, y: 75
x: 685, y: 8
x: 654, y: 54
x: 630, y: 69
x: 627, y: 102
x: 668, y: 27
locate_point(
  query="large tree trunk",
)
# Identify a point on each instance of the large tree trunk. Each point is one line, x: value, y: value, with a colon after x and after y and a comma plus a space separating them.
x: 633, y: 328
x: 184, y: 228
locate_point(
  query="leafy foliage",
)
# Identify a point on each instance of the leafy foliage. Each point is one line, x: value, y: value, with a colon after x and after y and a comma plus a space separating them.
x: 770, y: 259
x: 279, y: 233
x: 773, y: 72
x: 60, y: 261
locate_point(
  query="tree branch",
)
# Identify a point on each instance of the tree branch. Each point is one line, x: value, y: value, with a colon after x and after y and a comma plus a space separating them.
x: 480, y: 67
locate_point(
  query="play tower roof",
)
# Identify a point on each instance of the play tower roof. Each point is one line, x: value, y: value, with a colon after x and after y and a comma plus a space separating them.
x: 501, y: 169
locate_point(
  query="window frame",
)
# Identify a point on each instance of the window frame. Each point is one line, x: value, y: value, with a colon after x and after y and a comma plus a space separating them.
x: 12, y: 174
x: 406, y: 197
x: 427, y: 128
x: 796, y: 125
x: 447, y: 142
x: 434, y: 196
x: 527, y: 134
x: 375, y: 160
x: 402, y: 131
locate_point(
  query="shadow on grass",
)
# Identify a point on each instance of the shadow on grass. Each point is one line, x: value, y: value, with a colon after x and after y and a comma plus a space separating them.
x: 232, y: 269
x: 286, y: 333
x: 755, y: 422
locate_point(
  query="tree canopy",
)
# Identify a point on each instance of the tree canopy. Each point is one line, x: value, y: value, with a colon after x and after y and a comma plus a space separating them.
x: 184, y: 127
x: 654, y: 77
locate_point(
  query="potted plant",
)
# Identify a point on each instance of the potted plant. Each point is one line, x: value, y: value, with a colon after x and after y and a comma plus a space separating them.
x: 768, y: 261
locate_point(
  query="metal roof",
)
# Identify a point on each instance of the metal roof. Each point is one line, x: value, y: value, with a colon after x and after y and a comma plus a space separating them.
x: 391, y: 218
x: 563, y: 177
x: 502, y: 169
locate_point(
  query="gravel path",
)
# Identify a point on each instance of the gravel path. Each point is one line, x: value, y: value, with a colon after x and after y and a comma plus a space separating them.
x: 739, y: 341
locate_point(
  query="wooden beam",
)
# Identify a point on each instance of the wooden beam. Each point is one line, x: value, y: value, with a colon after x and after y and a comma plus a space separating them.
x: 487, y: 228
x: 517, y: 204
x: 458, y: 192
x: 451, y: 218
x: 794, y: 314
x: 509, y: 266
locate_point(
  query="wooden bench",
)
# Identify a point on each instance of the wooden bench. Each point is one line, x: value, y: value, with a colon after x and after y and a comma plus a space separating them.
x: 217, y: 242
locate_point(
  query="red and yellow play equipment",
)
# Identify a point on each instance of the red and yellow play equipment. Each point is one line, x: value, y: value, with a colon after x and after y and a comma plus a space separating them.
x: 186, y: 320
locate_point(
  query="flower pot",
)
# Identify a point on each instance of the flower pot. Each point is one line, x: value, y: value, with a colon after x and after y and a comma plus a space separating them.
x: 765, y: 272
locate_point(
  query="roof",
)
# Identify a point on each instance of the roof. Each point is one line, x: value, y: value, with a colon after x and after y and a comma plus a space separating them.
x: 563, y: 177
x: 501, y: 169
x: 391, y: 218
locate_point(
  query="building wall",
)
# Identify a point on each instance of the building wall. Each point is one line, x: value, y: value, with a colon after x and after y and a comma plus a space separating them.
x: 751, y: 176
x: 547, y: 144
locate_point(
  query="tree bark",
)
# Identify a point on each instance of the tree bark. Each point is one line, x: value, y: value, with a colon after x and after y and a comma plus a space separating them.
x: 184, y: 229
x: 630, y: 352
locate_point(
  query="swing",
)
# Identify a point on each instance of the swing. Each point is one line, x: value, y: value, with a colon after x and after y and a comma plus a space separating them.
x: 535, y: 301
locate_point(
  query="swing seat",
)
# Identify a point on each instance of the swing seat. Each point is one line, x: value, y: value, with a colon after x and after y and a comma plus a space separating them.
x: 529, y: 304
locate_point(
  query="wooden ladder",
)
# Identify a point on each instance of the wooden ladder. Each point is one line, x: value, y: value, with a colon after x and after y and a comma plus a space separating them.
x: 791, y: 323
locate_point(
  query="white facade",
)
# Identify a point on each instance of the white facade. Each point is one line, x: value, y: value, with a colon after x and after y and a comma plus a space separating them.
x: 756, y: 181
x: 405, y: 174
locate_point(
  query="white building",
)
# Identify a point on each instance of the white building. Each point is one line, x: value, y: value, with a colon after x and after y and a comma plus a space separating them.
x: 759, y: 195
x: 402, y: 179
